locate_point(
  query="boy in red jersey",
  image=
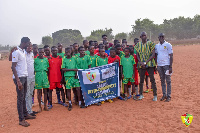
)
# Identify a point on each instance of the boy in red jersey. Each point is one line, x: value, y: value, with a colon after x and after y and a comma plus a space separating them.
x: 55, y: 76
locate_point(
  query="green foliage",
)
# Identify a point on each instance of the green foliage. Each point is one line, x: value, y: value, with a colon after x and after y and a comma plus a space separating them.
x: 47, y: 40
x: 177, y: 28
x: 67, y: 37
x: 120, y: 36
x: 96, y: 34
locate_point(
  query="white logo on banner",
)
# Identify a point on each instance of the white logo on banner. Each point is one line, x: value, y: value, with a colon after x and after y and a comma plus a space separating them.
x: 90, y: 77
x: 108, y: 72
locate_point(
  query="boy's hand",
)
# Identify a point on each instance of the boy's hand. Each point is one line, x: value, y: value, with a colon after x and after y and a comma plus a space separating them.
x: 76, y: 76
x: 122, y: 76
x: 170, y: 70
x: 116, y: 60
x: 133, y: 76
x: 19, y: 84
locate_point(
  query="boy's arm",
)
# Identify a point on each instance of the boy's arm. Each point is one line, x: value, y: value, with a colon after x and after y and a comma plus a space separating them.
x: 19, y: 84
x: 65, y: 69
x: 122, y: 76
x: 12, y: 50
x: 152, y: 56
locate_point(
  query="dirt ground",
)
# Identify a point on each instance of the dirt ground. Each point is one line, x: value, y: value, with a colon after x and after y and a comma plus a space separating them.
x: 120, y: 116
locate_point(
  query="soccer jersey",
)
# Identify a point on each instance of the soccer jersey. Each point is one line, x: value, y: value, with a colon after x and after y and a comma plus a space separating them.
x: 61, y: 54
x: 54, y: 69
x: 76, y: 55
x: 69, y: 64
x: 87, y: 52
x: 35, y: 56
x: 145, y: 52
x: 41, y: 64
x: 83, y: 62
x: 121, y: 54
x: 111, y: 60
x: 127, y: 64
x: 93, y: 60
x: 100, y: 61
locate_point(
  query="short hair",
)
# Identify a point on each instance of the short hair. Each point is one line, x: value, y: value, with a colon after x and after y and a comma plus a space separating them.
x: 25, y: 40
x: 128, y: 49
x: 130, y: 46
x: 53, y: 47
x: 90, y: 42
x: 101, y: 49
x: 40, y: 49
x: 46, y: 46
x: 95, y: 41
x: 136, y: 39
x: 80, y: 48
x: 117, y: 46
x: 84, y: 41
x: 114, y: 49
x: 68, y: 48
x: 90, y: 46
x: 103, y: 35
x: 75, y: 44
x: 116, y: 41
x: 123, y: 40
x: 59, y: 43
x: 35, y: 45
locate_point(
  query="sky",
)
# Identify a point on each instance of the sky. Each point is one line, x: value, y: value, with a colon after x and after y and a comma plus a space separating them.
x: 37, y: 18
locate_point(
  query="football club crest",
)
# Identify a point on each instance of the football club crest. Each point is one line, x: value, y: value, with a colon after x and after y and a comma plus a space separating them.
x: 165, y: 47
x: 187, y: 119
x: 91, y: 76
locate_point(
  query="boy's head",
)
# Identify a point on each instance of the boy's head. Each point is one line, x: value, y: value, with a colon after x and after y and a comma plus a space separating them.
x: 124, y: 43
x: 127, y: 51
x: 112, y: 52
x: 81, y: 50
x: 95, y: 44
x: 85, y: 43
x: 54, y: 51
x: 25, y: 42
x: 104, y: 37
x: 41, y: 52
x: 68, y: 52
x: 131, y: 48
x: 101, y: 46
x: 136, y: 40
x: 47, y: 50
x: 35, y: 49
x: 118, y: 48
x: 102, y: 52
x: 91, y: 43
x: 91, y: 49
x: 106, y: 44
x: 75, y: 46
x: 29, y: 48
x: 59, y: 45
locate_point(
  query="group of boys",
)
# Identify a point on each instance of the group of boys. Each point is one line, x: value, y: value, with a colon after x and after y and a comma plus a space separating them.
x: 53, y: 69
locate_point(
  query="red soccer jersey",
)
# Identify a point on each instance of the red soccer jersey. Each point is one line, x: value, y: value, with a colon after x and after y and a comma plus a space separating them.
x: 111, y: 60
x: 35, y: 56
x: 54, y: 69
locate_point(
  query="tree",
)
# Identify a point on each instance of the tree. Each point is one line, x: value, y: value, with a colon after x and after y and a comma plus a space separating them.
x: 97, y: 34
x: 67, y: 37
x: 121, y: 36
x: 47, y: 40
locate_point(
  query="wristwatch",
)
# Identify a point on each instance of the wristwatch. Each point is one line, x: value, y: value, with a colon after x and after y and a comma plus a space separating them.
x: 144, y: 63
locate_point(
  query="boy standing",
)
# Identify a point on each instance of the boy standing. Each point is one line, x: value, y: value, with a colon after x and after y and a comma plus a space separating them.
x: 92, y: 56
x: 127, y: 63
x: 86, y: 45
x: 41, y: 66
x: 69, y: 66
x: 60, y: 53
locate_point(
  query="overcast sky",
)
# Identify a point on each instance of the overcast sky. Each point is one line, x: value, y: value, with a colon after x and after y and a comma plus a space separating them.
x: 37, y: 18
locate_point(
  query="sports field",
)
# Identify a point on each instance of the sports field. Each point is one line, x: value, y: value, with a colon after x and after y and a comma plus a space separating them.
x: 119, y: 116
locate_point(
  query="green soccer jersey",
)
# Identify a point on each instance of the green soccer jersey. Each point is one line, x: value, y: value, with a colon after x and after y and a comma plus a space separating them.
x: 101, y: 62
x: 69, y: 64
x: 61, y: 54
x: 127, y: 64
x: 76, y: 55
x: 87, y: 52
x: 121, y: 54
x: 93, y: 60
x: 83, y: 62
x: 41, y: 64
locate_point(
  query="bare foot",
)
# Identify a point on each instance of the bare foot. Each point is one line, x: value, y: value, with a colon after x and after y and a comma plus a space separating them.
x: 40, y: 110
x: 46, y: 109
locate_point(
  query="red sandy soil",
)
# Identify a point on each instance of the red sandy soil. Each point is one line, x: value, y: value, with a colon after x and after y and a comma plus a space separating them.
x: 120, y: 116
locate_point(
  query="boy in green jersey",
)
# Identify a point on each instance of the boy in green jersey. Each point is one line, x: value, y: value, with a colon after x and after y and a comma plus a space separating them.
x: 92, y: 56
x: 83, y: 61
x: 69, y: 67
x: 60, y: 53
x: 127, y: 69
x: 76, y: 46
x: 41, y: 65
x: 102, y: 59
